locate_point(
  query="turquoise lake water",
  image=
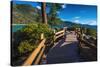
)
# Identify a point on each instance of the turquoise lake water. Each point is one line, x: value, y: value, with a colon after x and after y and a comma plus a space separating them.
x: 17, y: 27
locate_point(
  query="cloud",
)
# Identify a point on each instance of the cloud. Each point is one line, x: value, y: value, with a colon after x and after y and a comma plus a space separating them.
x: 77, y: 17
x: 38, y: 7
x: 92, y: 22
x: 63, y: 6
x: 89, y: 22
x: 76, y: 21
x: 63, y: 19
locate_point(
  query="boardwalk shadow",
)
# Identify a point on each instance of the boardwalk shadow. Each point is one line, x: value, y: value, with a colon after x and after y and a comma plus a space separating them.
x: 64, y: 54
x: 60, y: 42
x: 88, y: 54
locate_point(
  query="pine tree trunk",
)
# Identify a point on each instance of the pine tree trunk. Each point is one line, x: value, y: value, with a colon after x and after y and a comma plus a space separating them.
x: 44, y: 16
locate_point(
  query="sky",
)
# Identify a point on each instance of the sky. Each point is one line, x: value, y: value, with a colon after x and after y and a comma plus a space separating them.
x: 83, y: 14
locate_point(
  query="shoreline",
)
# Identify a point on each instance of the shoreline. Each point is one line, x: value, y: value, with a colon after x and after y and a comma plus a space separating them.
x: 19, y: 24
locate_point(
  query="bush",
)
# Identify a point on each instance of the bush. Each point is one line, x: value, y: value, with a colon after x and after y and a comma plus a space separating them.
x: 25, y: 46
x: 91, y: 32
x: 30, y: 35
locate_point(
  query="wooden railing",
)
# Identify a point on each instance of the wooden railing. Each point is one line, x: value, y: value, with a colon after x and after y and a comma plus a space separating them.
x: 91, y: 45
x: 87, y: 46
x: 82, y: 40
x: 59, y: 34
x: 36, y: 55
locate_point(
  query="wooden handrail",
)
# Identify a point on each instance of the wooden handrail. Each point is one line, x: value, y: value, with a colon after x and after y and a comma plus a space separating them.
x: 89, y: 44
x: 62, y: 31
x: 40, y: 55
x: 82, y: 40
x: 34, y: 54
x: 59, y: 34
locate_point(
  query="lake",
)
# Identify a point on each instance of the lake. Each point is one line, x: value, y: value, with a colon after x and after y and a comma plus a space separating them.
x: 17, y: 27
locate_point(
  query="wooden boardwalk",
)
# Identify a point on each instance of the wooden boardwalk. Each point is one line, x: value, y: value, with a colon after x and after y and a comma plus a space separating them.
x: 64, y: 51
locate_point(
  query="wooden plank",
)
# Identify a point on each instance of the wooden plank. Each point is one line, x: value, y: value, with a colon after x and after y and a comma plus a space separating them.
x: 90, y: 44
x: 62, y: 31
x: 32, y: 57
x: 40, y: 55
x: 59, y: 36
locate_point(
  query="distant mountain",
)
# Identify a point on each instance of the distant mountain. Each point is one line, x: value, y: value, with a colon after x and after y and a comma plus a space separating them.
x: 90, y: 26
x: 70, y: 24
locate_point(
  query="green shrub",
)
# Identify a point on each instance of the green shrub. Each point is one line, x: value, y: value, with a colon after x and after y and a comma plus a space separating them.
x: 25, y: 46
x: 91, y: 32
x: 30, y: 35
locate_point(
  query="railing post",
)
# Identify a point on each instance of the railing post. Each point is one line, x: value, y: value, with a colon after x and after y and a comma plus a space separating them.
x: 42, y: 36
x: 43, y: 56
x: 76, y: 31
x: 79, y: 35
x: 85, y: 30
x: 54, y: 36
x: 82, y: 32
x: 65, y: 28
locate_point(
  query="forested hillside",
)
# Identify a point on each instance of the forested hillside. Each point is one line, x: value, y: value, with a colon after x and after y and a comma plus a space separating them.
x: 24, y: 13
x: 72, y: 24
